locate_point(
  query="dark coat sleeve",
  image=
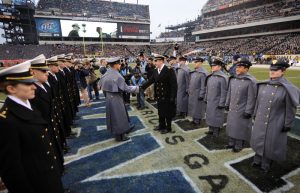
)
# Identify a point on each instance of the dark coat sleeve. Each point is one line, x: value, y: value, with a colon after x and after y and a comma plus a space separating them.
x: 11, y: 168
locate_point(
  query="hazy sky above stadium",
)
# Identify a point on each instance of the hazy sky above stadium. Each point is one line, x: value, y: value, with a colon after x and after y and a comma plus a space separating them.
x: 166, y: 12
x: 170, y: 12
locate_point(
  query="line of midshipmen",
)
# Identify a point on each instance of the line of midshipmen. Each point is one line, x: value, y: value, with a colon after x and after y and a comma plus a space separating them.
x: 36, y: 119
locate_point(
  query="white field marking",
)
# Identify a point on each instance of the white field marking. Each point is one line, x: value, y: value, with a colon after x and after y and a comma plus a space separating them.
x: 90, y: 154
x: 95, y: 177
x: 94, y: 116
x: 100, y: 128
x: 137, y: 174
x: 227, y: 165
x: 99, y: 108
x: 297, y: 117
x: 294, y: 136
x: 92, y: 103
x: 78, y: 157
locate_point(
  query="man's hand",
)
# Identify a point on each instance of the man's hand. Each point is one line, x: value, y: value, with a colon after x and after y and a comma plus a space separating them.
x: 246, y: 116
x: 221, y: 107
x: 285, y: 129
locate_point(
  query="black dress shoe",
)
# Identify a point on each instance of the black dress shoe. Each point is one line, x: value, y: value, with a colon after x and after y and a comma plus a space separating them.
x: 209, y: 132
x: 165, y: 131
x: 229, y: 147
x: 157, y: 128
x: 122, y: 137
x: 235, y: 150
x: 255, y: 165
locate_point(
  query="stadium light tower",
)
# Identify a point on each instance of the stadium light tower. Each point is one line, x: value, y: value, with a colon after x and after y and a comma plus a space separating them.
x: 84, y: 31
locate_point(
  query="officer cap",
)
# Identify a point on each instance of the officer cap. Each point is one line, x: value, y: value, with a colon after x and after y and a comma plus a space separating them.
x: 172, y: 58
x: 159, y: 57
x: 18, y: 73
x: 52, y: 61
x: 113, y: 61
x: 217, y: 61
x: 61, y: 57
x: 244, y: 62
x: 281, y: 64
x: 39, y: 63
x: 198, y: 59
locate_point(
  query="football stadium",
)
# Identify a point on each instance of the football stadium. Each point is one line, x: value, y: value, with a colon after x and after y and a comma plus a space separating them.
x: 93, y: 101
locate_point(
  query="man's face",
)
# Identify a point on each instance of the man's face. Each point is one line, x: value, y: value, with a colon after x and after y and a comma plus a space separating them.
x: 241, y: 70
x: 23, y: 91
x: 159, y: 63
x: 40, y: 75
x: 182, y: 62
x: 216, y: 68
x: 197, y: 64
x: 54, y: 69
x: 276, y: 73
x: 61, y: 64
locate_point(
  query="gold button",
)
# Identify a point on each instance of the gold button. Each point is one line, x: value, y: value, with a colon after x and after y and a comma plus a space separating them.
x: 54, y: 129
x: 48, y: 152
x: 269, y: 108
x: 266, y: 123
x: 270, y: 101
x: 54, y: 157
x: 43, y: 136
x: 50, y: 144
x: 273, y: 93
x: 52, y: 167
x: 46, y: 129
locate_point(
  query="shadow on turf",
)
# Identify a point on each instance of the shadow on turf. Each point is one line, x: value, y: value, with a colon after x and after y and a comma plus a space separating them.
x: 273, y: 179
x: 216, y: 143
x: 187, y: 126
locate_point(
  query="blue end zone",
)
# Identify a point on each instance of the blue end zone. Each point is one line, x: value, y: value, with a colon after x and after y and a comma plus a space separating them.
x: 89, y: 134
x: 163, y: 182
x: 98, y: 108
x: 89, y: 166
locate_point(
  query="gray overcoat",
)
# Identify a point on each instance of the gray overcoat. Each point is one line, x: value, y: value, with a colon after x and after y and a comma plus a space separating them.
x: 216, y: 92
x: 241, y: 99
x: 113, y: 85
x: 276, y: 105
x: 197, y: 108
x: 183, y: 79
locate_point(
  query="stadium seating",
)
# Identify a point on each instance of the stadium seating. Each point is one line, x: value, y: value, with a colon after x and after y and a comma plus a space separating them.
x: 251, y: 14
x: 95, y: 8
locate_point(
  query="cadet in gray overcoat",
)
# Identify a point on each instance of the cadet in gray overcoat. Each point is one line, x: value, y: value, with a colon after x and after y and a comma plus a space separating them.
x: 240, y: 102
x: 113, y: 85
x: 216, y: 92
x: 183, y: 80
x: 275, y: 111
x: 197, y: 107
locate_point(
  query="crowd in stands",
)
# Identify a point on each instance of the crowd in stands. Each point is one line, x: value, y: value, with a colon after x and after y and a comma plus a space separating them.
x: 270, y: 45
x: 95, y: 8
x: 242, y: 16
x: 172, y: 34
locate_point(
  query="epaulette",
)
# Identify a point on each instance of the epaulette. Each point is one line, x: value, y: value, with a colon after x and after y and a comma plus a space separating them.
x: 3, y: 113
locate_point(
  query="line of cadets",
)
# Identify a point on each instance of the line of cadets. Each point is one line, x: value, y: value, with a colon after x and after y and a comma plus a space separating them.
x: 34, y: 127
x: 258, y: 112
